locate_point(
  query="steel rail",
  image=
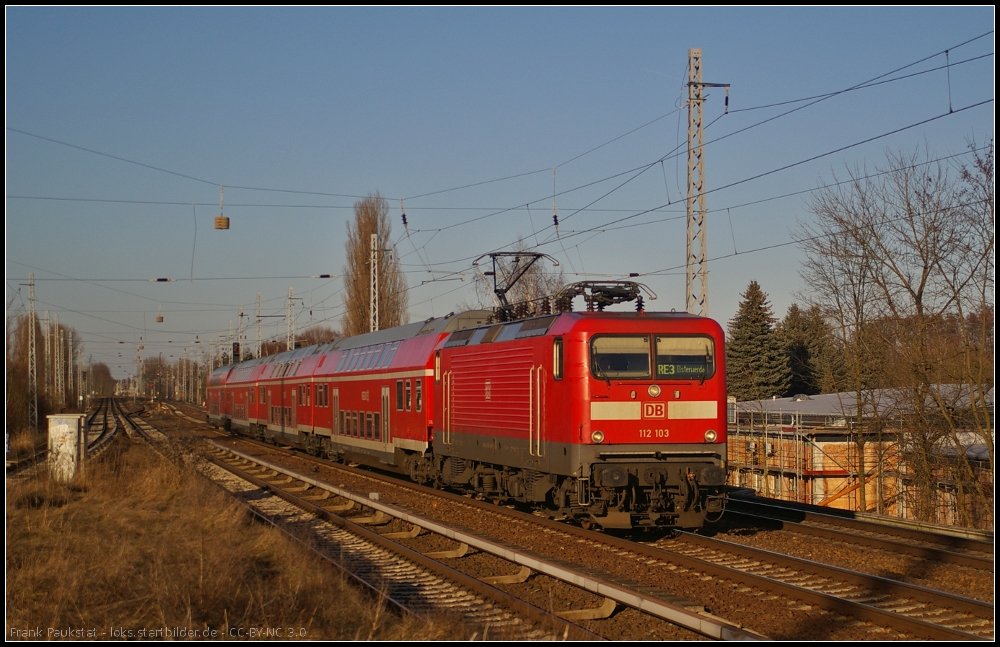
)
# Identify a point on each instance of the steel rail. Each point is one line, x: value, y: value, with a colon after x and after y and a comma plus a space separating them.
x: 874, y: 584
x: 619, y: 589
x: 559, y: 626
x: 854, y: 538
x: 916, y: 627
x: 798, y: 517
x: 549, y: 622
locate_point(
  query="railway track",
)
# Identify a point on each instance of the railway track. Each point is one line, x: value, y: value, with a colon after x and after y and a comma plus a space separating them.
x: 417, y: 583
x: 935, y: 614
x: 839, y: 597
x: 403, y: 583
x: 520, y: 563
x: 971, y: 551
x: 100, y: 429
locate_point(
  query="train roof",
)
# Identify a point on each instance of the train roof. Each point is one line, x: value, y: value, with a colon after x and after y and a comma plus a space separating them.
x: 470, y: 321
x: 435, y: 325
x: 448, y: 323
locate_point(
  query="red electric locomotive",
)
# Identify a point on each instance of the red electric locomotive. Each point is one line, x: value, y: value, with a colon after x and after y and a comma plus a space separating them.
x: 608, y: 418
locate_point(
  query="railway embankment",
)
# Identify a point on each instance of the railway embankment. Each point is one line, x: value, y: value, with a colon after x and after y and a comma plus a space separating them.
x: 142, y: 547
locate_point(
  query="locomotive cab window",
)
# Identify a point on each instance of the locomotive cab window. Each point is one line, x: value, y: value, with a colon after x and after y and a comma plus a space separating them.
x: 557, y: 358
x: 620, y: 357
x: 685, y: 358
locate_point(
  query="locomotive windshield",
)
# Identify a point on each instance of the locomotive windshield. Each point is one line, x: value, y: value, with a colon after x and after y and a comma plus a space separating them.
x: 677, y: 357
x: 685, y: 358
x: 625, y: 356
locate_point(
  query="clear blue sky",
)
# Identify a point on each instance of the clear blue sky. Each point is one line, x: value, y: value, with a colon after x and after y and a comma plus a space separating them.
x: 306, y: 109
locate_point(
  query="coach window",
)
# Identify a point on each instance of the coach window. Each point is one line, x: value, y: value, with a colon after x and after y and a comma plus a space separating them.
x: 368, y: 426
x: 378, y: 426
x: 399, y: 395
x: 408, y: 400
x: 557, y: 358
x: 620, y: 357
x: 419, y: 395
x: 685, y: 358
x: 392, y: 353
x: 383, y: 349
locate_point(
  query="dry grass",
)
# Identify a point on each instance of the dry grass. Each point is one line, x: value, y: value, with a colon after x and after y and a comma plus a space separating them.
x: 26, y: 442
x: 142, y: 544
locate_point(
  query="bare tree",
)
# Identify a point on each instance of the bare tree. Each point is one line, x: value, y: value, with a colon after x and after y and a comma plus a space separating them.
x: 969, y: 279
x: 371, y: 216
x: 316, y: 335
x: 104, y: 383
x: 892, y: 257
x: 845, y: 295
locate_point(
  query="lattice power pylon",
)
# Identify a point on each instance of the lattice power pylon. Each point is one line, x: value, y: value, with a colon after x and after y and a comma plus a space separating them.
x: 696, y: 301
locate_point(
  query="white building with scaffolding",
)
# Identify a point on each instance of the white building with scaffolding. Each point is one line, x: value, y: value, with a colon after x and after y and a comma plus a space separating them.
x: 806, y: 449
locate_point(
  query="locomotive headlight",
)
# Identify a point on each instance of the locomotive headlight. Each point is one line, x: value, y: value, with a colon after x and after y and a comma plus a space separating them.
x: 597, y: 437
x: 710, y: 436
x: 654, y: 391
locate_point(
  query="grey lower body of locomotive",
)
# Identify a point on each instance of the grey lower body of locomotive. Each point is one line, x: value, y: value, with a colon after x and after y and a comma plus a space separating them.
x: 615, y: 486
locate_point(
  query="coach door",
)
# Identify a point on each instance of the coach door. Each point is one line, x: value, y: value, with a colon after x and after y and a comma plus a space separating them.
x: 384, y: 422
x: 447, y: 392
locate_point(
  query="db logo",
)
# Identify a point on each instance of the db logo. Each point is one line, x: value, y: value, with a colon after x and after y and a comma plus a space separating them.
x: 654, y: 410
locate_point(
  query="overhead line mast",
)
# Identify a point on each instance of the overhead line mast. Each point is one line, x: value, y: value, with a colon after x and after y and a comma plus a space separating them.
x: 290, y: 321
x: 32, y: 360
x: 373, y: 322
x: 697, y: 243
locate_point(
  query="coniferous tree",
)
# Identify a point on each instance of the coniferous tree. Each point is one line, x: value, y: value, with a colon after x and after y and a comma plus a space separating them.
x: 793, y: 331
x: 756, y: 365
x: 809, y: 344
